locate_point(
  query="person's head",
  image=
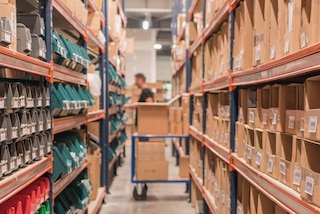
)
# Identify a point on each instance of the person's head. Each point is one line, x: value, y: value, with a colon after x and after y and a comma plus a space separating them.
x: 140, y: 80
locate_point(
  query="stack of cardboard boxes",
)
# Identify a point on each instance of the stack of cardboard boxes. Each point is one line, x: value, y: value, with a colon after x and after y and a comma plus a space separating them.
x: 151, y: 163
x: 78, y: 10
x: 277, y: 133
x: 269, y: 30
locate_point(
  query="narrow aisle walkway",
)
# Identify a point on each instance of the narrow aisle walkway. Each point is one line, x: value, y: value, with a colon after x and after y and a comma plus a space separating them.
x: 161, y: 199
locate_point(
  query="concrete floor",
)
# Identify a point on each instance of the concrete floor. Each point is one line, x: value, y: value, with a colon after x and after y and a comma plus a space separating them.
x: 161, y: 198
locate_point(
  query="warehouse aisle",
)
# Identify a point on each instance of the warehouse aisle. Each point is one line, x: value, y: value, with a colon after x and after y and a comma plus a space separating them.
x: 162, y: 198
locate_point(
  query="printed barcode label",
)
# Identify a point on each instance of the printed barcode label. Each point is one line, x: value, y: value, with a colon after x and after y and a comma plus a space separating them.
x: 297, y: 177
x: 302, y: 124
x: 265, y: 119
x: 7, y: 37
x: 303, y: 40
x: 272, y: 52
x: 49, y: 125
x: 313, y: 120
x: 251, y: 117
x: 1, y: 102
x: 309, y: 185
x: 274, y: 119
x: 291, y: 122
x: 258, y: 53
x: 258, y: 158
x: 270, y: 165
x: 229, y: 202
x: 236, y: 145
x: 33, y: 129
x: 249, y: 152
x: 283, y: 168
x: 287, y: 46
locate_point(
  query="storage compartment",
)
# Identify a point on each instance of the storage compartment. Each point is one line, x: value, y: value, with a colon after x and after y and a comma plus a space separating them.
x: 259, y: 155
x: 272, y: 150
x: 278, y: 107
x: 286, y: 159
x: 24, y: 41
x: 250, y: 149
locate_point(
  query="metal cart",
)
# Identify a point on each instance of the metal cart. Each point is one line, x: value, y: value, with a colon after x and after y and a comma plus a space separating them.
x: 141, y: 188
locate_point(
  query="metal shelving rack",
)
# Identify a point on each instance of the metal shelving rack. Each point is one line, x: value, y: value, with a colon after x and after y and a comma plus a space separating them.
x: 50, y: 72
x: 300, y: 63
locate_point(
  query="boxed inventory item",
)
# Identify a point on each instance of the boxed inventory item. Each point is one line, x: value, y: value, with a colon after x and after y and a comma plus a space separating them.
x: 259, y: 156
x: 181, y: 22
x: 296, y: 184
x: 153, y: 118
x: 312, y: 108
x: 250, y: 149
x: 176, y: 128
x: 265, y: 110
x: 295, y: 109
x: 152, y: 170
x: 310, y: 179
x: 254, y: 105
x: 275, y: 34
x: 175, y: 114
x: 278, y: 108
x: 150, y: 151
x: 94, y: 157
x: 94, y: 22
x: 286, y: 159
x: 191, y: 33
x: 184, y: 166
x: 272, y: 151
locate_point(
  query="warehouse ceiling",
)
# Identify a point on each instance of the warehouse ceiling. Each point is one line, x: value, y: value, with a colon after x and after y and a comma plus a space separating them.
x: 158, y: 13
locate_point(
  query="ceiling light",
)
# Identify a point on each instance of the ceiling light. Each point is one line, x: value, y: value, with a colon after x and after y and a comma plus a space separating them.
x: 145, y: 25
x: 157, y: 46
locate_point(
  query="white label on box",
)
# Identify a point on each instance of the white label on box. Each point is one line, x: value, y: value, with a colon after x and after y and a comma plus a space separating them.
x: 258, y: 158
x: 251, y: 117
x: 313, y: 121
x: 272, y: 52
x: 297, y: 177
x: 19, y: 160
x: 303, y: 40
x: 14, y: 132
x: 3, y: 134
x: 249, y: 152
x: 228, y: 202
x: 15, y: 102
x: 270, y: 165
x: 34, y: 154
x: 4, y: 167
x: 309, y: 185
x: 274, y: 119
x: 287, y: 46
x: 239, y: 210
x: 236, y: 146
x: 33, y: 129
x: 1, y: 102
x: 265, y: 119
x: 302, y: 124
x: 291, y: 122
x: 7, y: 37
x: 290, y: 15
x: 22, y: 102
x: 283, y: 168
x: 258, y: 53
x: 29, y: 45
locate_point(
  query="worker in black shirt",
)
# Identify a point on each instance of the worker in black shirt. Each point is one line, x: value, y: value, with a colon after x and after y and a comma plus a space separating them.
x: 146, y: 94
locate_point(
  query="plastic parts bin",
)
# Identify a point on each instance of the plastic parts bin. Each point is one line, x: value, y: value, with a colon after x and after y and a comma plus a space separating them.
x: 5, y: 31
x: 48, y: 142
x: 30, y: 98
x: 35, y: 147
x: 24, y: 41
x: 27, y: 157
x: 38, y: 47
x: 3, y: 128
x: 47, y: 121
x: 4, y: 160
x: 15, y: 96
x: 13, y: 156
x: 34, y: 22
x: 60, y: 52
x: 20, y: 153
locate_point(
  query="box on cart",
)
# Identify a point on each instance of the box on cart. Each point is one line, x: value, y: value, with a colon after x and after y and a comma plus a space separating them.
x: 152, y: 170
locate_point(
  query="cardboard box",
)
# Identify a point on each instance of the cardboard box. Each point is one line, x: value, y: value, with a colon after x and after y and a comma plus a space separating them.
x: 265, y: 205
x: 286, y: 159
x: 94, y: 128
x: 185, y: 121
x: 243, y: 106
x: 176, y: 128
x: 181, y: 21
x: 184, y: 166
x: 259, y: 157
x: 240, y: 139
x: 146, y: 148
x: 295, y: 110
x: 265, y: 107
x: 254, y: 200
x: 9, y: 10
x: 191, y: 33
x: 153, y: 118
x: 151, y: 170
x: 94, y: 158
x: 297, y: 171
x: 272, y: 151
x: 175, y: 114
x: 94, y: 23
x: 310, y: 181
x: 250, y: 149
x: 275, y: 33
x: 278, y: 108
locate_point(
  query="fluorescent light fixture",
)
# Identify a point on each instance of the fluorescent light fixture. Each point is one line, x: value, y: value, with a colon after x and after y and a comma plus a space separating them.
x: 145, y: 25
x: 157, y: 46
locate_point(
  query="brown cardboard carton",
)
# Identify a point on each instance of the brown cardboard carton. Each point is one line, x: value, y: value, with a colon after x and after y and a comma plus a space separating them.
x: 265, y: 205
x: 286, y: 159
x: 94, y: 128
x: 181, y: 21
x: 265, y: 106
x: 175, y: 114
x: 224, y: 105
x: 244, y: 194
x: 243, y: 106
x: 150, y: 148
x: 310, y: 181
x: 151, y: 170
x: 259, y: 155
x: 184, y: 167
x: 309, y: 30
x: 185, y: 121
x: 297, y: 171
x: 94, y: 22
x: 94, y: 158
x: 254, y: 106
x: 185, y: 103
x: 254, y: 198
x: 246, y: 51
x: 191, y: 33
x: 279, y: 210
x: 278, y: 108
x: 176, y: 128
x: 295, y: 109
x: 272, y: 150
x: 250, y: 149
x: 240, y: 139
x: 275, y: 33
x: 153, y: 118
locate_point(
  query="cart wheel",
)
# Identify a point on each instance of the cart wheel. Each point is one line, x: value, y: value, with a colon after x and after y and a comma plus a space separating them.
x: 140, y: 196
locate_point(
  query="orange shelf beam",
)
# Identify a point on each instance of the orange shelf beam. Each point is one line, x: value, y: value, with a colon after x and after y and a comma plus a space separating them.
x: 222, y: 152
x: 17, y: 61
x: 218, y: 84
x: 67, y: 75
x: 17, y: 181
x: 68, y: 123
x: 61, y: 184
x: 96, y: 115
